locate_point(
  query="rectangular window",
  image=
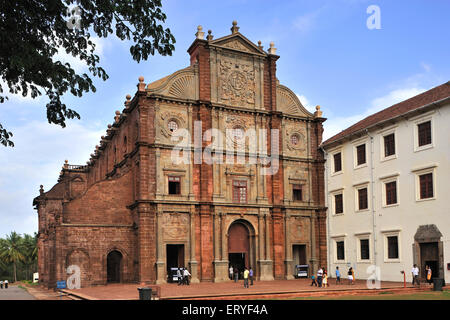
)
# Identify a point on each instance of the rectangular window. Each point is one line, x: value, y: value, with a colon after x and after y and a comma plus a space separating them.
x: 240, y: 191
x: 362, y: 199
x: 424, y: 133
x: 389, y: 145
x: 174, y: 185
x: 340, y: 250
x: 361, y: 154
x: 297, y: 192
x: 364, y: 246
x: 391, y: 192
x: 338, y: 204
x: 426, y: 186
x: 337, y: 162
x: 392, y: 248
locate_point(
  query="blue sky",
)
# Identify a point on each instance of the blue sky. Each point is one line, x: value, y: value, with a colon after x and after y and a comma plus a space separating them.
x: 328, y: 57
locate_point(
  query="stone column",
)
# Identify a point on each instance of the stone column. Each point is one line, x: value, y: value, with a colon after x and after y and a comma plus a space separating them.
x: 267, y: 236
x: 158, y: 183
x: 313, y: 261
x: 160, y: 260
x: 223, y: 233
x: 192, y: 262
x: 146, y: 239
x: 288, y: 247
x: 265, y: 262
x: 220, y: 266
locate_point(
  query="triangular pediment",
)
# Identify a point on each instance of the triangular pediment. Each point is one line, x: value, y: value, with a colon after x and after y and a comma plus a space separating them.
x: 238, y: 42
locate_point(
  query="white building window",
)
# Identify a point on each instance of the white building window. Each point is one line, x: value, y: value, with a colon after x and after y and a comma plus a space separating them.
x: 336, y: 159
x: 392, y: 246
x: 362, y: 197
x: 363, y: 244
x: 390, y: 190
x: 423, y: 133
x: 337, y: 202
x: 388, y: 147
x: 339, y: 249
x: 425, y: 183
x: 360, y: 154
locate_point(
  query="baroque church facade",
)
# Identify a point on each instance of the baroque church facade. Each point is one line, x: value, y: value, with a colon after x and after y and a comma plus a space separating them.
x: 132, y: 212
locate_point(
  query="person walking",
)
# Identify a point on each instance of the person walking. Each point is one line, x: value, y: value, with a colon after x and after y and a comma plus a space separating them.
x: 313, y: 281
x: 236, y: 274
x: 350, y: 276
x: 251, y: 276
x: 338, y: 276
x: 325, y: 279
x: 415, y: 275
x: 179, y: 277
x: 186, y: 275
x: 231, y: 272
x: 319, y: 277
x: 6, y: 284
x: 1, y: 284
x: 429, y: 274
x: 246, y: 273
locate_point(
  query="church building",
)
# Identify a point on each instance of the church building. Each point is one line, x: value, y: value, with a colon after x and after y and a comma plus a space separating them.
x: 215, y: 165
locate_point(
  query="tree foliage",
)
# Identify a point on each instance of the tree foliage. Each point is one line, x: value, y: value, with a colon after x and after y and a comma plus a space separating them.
x: 32, y: 32
x: 18, y: 256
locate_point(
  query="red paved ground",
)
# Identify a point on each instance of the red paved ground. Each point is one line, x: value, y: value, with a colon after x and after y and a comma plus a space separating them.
x: 227, y: 290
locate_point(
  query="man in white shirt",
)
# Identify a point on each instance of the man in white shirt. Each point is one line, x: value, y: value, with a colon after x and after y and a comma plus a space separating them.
x: 415, y: 275
x: 319, y: 277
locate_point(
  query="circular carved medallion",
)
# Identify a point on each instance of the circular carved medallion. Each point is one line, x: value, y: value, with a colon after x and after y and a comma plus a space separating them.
x: 237, y: 80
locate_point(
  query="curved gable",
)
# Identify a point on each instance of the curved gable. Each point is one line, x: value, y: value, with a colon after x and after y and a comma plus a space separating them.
x: 288, y: 102
x: 182, y: 84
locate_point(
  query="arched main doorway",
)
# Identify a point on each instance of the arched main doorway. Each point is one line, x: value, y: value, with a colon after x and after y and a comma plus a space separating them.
x: 113, y: 266
x: 240, y: 253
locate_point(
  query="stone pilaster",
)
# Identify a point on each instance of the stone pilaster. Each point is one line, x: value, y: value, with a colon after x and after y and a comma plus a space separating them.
x: 160, y: 261
x: 266, y: 264
x: 192, y: 261
x: 288, y: 248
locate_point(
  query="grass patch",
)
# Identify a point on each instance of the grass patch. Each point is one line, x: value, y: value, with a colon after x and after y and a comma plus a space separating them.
x: 429, y: 295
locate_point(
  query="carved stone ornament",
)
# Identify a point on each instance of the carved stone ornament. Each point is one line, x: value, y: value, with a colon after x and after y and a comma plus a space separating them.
x: 295, y: 140
x: 175, y: 226
x: 165, y: 123
x: 288, y: 102
x: 236, y: 83
x: 236, y: 45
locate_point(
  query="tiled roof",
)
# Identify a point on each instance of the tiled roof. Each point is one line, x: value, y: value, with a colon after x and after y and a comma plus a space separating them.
x: 423, y: 99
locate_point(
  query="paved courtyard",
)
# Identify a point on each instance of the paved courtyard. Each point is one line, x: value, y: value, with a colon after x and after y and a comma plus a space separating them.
x: 230, y: 290
x: 15, y: 293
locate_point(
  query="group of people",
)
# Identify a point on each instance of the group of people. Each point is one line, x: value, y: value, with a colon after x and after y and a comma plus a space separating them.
x: 248, y: 275
x: 415, y: 275
x: 322, y: 277
x: 5, y: 283
x: 183, y: 276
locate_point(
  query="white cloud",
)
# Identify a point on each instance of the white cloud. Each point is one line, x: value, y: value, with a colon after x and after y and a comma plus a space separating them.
x: 39, y: 153
x: 305, y: 102
x: 334, y: 125
x: 306, y: 22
